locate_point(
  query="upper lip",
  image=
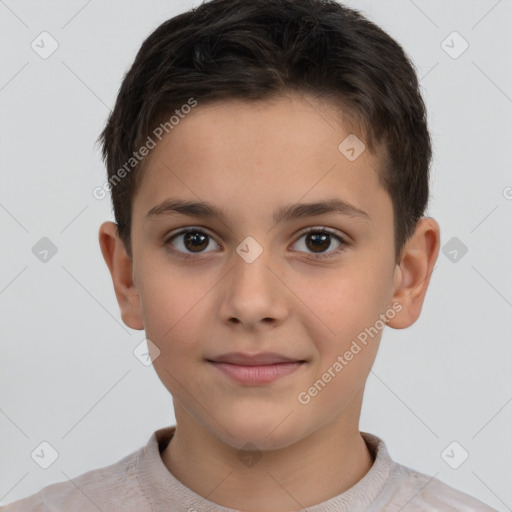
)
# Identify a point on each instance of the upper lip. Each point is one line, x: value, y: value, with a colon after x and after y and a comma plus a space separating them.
x: 264, y: 358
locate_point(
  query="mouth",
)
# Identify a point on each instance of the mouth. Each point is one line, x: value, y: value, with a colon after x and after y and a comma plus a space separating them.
x: 255, y: 369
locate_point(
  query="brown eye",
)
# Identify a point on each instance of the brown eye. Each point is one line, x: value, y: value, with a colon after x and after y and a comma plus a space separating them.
x: 320, y: 242
x: 190, y: 241
x: 195, y: 241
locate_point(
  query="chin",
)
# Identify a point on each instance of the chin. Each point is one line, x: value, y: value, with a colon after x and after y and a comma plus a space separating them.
x: 265, y: 430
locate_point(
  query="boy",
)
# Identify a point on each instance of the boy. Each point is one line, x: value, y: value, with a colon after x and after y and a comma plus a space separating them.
x: 268, y: 163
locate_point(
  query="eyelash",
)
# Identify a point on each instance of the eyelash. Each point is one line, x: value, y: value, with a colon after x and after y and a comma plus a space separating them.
x: 317, y: 230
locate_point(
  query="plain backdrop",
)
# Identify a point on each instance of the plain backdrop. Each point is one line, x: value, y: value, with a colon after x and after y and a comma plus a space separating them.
x: 68, y: 373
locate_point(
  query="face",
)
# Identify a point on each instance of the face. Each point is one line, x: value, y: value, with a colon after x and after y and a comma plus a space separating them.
x: 260, y: 309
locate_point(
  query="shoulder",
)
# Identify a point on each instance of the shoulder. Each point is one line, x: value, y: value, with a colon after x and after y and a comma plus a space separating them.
x: 398, y: 488
x: 108, y: 488
x: 415, y: 492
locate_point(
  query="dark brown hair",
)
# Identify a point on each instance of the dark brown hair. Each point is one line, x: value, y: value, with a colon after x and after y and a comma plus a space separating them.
x: 257, y: 49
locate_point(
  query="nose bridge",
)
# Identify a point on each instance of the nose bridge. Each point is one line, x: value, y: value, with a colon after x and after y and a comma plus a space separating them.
x: 254, y: 293
x: 252, y: 272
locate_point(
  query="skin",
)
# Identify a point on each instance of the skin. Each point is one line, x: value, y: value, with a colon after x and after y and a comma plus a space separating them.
x: 250, y: 159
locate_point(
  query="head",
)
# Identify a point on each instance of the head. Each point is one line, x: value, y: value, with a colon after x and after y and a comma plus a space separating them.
x: 251, y: 110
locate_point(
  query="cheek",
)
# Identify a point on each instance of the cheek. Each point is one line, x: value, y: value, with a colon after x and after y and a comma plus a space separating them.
x: 346, y: 342
x: 343, y: 329
x: 170, y: 304
x: 174, y: 312
x: 341, y: 304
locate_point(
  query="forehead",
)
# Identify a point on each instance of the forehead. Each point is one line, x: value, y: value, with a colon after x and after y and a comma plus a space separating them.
x: 250, y: 155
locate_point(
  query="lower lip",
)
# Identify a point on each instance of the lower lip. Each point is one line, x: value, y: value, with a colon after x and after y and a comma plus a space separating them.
x: 254, y: 375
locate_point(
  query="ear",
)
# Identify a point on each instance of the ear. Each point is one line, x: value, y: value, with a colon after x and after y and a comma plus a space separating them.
x: 412, y: 273
x: 121, y: 269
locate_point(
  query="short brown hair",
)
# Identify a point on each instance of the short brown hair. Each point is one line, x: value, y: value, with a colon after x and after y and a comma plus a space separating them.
x: 256, y: 49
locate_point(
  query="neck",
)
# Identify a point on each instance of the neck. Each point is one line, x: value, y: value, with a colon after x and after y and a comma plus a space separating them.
x: 318, y: 467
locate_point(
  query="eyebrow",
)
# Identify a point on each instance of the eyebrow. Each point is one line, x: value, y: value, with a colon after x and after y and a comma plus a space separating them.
x: 282, y: 214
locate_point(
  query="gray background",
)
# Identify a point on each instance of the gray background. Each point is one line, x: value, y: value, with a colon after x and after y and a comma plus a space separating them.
x: 68, y: 374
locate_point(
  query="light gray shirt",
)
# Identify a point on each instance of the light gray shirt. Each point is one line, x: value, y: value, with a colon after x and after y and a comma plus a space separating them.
x: 141, y: 482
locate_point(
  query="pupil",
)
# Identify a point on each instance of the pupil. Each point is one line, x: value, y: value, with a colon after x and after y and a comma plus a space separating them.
x: 319, y: 242
x: 194, y: 240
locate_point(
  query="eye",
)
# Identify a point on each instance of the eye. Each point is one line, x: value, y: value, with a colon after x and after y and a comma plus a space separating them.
x: 318, y: 240
x: 190, y: 241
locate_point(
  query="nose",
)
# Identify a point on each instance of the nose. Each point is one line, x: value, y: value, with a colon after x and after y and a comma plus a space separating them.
x: 253, y: 294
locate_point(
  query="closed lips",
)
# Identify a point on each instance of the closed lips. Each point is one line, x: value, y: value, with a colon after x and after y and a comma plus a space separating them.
x: 255, y: 369
x: 262, y: 359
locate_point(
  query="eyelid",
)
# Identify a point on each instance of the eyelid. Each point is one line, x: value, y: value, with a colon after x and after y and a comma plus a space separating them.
x: 186, y: 229
x: 331, y: 231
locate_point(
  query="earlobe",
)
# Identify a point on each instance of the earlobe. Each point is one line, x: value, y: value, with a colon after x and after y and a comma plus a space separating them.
x: 412, y: 274
x: 120, y: 266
